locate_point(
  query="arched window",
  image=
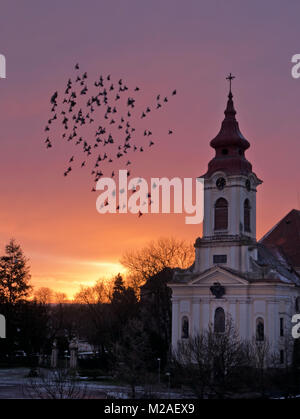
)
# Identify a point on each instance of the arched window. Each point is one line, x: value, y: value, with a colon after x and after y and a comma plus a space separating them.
x: 219, y: 322
x: 184, y: 328
x: 247, y: 215
x: 221, y: 214
x: 260, y: 332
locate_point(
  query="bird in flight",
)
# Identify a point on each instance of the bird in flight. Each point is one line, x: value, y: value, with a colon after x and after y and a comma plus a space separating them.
x: 85, y: 103
x: 53, y: 98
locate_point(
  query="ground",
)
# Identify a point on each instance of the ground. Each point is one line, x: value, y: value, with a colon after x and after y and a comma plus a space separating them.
x: 12, y: 381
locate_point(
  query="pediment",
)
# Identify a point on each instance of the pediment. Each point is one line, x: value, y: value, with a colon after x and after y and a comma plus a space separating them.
x: 217, y: 274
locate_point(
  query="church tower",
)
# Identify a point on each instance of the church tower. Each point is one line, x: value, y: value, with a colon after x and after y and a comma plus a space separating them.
x: 229, y: 226
x: 234, y: 276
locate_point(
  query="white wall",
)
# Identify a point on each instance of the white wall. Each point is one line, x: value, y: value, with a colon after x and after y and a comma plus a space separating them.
x: 243, y: 309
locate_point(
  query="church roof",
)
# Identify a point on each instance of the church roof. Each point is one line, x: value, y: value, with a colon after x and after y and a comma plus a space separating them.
x: 230, y: 146
x: 284, y: 238
x: 230, y: 133
x: 268, y: 268
x: 273, y: 264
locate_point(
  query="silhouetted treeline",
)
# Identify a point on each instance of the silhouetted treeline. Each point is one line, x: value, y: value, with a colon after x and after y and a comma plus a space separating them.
x: 129, y: 330
x: 110, y: 318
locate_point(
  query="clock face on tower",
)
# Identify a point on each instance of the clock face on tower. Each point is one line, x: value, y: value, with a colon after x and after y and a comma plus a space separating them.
x: 220, y: 183
x: 248, y: 185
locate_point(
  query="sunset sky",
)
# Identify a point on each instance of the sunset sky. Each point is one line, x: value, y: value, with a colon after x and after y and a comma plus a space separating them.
x: 159, y: 46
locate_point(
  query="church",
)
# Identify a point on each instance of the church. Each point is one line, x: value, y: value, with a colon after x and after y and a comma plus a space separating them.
x: 255, y: 283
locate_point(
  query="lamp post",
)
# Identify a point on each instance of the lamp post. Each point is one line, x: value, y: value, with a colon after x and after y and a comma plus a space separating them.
x: 158, y: 359
x: 168, y: 374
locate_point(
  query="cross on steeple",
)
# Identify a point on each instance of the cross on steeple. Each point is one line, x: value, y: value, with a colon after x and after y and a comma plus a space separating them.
x: 230, y: 78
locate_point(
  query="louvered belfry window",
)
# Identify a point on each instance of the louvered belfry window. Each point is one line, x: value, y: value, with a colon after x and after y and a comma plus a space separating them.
x: 221, y: 214
x: 247, y: 215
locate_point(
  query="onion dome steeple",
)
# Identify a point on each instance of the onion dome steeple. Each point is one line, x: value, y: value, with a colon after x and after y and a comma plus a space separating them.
x: 229, y: 144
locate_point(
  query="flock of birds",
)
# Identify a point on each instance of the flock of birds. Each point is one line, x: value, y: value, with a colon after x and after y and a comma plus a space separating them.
x: 115, y: 135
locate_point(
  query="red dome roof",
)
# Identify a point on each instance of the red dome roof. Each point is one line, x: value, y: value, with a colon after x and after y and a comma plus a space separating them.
x: 230, y: 146
x: 230, y: 133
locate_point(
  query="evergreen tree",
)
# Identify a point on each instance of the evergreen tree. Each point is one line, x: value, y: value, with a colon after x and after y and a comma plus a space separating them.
x: 124, y: 300
x: 118, y: 290
x: 133, y: 354
x: 14, y: 274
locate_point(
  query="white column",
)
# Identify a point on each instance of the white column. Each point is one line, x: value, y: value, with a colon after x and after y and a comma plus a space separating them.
x: 273, y: 324
x: 244, y: 326
x: 207, y: 222
x: 233, y: 218
x: 197, y: 260
x: 206, y: 258
x: 232, y: 262
x: 205, y: 315
x: 196, y: 315
x: 232, y: 311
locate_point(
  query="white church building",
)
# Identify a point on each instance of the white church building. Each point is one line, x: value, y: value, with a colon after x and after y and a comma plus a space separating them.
x: 255, y: 283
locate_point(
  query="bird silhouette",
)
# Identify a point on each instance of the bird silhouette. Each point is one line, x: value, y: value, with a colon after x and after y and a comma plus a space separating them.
x: 83, y: 103
x: 53, y: 98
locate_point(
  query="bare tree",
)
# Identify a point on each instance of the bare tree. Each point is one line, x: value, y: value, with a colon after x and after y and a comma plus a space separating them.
x: 155, y: 256
x: 285, y: 371
x: 193, y: 363
x: 44, y: 295
x: 94, y: 304
x: 101, y: 292
x: 57, y: 384
x: 60, y: 298
x: 260, y: 359
x: 211, y: 362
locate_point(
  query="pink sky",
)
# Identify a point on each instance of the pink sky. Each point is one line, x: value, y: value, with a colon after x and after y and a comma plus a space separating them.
x: 159, y: 46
